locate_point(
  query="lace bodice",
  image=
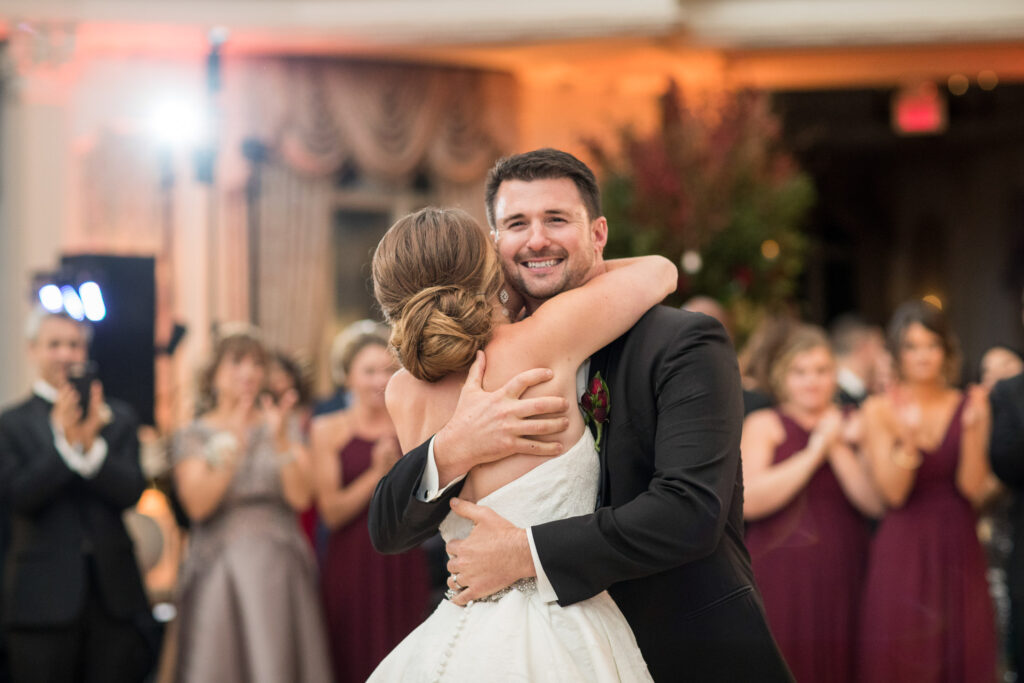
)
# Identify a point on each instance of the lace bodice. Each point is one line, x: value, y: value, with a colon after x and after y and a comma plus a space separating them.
x: 565, y: 486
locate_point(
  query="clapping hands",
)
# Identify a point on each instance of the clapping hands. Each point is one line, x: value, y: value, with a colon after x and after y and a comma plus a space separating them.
x: 66, y: 414
x: 276, y: 413
x: 977, y: 411
x: 828, y: 431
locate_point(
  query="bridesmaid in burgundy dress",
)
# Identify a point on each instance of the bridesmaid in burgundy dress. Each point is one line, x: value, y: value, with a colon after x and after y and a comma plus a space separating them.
x: 927, y: 613
x: 806, y: 496
x: 372, y: 601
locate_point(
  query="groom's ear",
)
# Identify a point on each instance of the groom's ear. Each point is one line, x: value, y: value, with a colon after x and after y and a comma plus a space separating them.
x: 599, y: 232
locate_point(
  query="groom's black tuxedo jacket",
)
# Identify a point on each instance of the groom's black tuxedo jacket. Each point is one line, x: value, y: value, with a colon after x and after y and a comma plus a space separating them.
x: 667, y: 537
x: 65, y: 527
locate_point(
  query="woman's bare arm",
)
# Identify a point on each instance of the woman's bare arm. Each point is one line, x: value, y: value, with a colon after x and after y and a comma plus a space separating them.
x: 338, y: 504
x: 767, y: 487
x: 974, y: 477
x: 892, y: 459
x: 574, y: 324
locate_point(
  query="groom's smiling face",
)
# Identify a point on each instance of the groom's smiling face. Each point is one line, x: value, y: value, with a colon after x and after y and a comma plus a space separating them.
x: 546, y: 240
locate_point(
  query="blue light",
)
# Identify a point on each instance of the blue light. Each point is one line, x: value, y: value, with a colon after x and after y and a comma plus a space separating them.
x: 92, y: 301
x: 72, y: 303
x: 51, y: 298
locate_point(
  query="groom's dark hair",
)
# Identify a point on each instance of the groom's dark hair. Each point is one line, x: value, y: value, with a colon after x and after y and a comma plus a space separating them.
x: 543, y: 164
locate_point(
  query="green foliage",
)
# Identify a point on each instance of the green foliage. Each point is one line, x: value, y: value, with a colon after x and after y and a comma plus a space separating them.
x: 716, y: 183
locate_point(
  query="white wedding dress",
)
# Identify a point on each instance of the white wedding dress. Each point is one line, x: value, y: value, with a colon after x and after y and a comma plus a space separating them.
x: 515, y: 636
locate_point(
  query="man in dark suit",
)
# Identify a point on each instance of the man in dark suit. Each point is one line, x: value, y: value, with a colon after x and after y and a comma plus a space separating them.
x: 1006, y: 451
x: 859, y: 349
x: 74, y: 608
x: 666, y: 538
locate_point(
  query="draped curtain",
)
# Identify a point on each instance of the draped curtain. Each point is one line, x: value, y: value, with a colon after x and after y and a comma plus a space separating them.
x: 310, y: 117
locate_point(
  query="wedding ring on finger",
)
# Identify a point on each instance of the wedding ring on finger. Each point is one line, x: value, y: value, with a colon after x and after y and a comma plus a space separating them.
x: 455, y: 580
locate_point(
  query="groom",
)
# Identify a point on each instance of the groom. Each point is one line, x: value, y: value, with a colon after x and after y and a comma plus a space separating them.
x: 666, y: 539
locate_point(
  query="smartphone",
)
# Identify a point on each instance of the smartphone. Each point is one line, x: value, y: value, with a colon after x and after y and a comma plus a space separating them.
x: 81, y: 377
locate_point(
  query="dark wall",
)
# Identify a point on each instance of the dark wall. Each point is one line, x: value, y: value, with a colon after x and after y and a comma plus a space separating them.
x: 901, y: 217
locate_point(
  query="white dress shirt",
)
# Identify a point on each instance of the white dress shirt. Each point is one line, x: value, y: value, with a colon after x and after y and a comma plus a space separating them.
x: 429, y: 491
x: 851, y: 383
x: 85, y: 463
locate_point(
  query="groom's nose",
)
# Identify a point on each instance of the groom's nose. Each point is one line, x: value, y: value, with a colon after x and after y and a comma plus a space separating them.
x: 539, y: 238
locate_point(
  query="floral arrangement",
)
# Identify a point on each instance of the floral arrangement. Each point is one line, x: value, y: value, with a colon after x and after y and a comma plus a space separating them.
x: 716, y: 191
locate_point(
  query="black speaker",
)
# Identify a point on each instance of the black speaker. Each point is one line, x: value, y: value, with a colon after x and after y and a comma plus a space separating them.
x: 122, y: 341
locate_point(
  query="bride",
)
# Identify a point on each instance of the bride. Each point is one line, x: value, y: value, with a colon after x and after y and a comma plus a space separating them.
x: 439, y: 281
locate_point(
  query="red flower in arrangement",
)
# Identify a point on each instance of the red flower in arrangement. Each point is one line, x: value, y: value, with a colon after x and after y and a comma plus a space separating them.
x: 596, y: 404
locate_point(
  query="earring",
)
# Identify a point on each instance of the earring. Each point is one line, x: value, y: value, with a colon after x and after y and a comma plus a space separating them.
x: 503, y: 298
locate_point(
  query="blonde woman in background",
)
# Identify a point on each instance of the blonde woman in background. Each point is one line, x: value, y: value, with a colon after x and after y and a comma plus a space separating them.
x: 807, y: 494
x: 372, y: 601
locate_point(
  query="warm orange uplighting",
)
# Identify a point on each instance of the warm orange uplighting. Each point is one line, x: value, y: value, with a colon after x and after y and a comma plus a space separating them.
x: 770, y: 249
x: 933, y: 300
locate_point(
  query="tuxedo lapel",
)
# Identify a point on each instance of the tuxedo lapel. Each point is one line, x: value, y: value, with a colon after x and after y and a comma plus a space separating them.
x: 599, y: 364
x: 38, y: 416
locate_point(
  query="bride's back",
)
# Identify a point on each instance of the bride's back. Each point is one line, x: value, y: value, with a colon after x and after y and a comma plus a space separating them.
x: 420, y: 409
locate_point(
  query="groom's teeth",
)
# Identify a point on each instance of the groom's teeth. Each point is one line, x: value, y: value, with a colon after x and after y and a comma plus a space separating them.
x: 541, y: 264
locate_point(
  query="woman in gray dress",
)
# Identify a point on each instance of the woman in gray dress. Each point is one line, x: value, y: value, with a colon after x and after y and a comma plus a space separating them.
x: 249, y: 609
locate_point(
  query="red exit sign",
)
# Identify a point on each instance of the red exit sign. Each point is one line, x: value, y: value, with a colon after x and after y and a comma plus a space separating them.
x: 919, y: 110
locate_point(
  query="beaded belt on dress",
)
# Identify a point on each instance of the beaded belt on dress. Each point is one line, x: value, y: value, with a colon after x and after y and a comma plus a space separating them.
x: 524, y: 586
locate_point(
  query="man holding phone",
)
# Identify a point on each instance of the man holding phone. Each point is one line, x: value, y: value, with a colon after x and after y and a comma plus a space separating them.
x: 74, y: 608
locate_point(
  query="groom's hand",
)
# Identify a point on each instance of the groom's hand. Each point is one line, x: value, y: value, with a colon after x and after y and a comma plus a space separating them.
x: 491, y: 425
x: 494, y: 555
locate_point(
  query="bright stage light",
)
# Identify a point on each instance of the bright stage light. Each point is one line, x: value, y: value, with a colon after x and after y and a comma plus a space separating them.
x: 92, y: 301
x: 178, y: 123
x: 72, y: 302
x: 51, y: 298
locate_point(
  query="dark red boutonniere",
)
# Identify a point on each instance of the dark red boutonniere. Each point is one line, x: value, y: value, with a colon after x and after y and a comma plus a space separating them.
x: 596, y: 405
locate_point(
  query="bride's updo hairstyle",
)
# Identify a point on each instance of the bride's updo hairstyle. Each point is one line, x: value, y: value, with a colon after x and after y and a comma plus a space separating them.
x: 436, y: 276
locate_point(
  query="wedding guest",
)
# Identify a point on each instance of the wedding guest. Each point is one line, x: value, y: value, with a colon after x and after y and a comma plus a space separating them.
x: 999, y: 363
x: 1006, y: 451
x: 74, y: 604
x: 927, y: 613
x: 807, y: 492
x: 758, y: 356
x: 859, y: 349
x: 338, y: 400
x: 372, y: 601
x: 709, y: 306
x: 995, y: 527
x: 248, y: 603
x: 286, y: 374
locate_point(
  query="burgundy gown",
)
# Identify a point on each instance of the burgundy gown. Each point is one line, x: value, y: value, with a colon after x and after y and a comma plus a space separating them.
x: 372, y: 601
x: 809, y: 560
x: 927, y: 613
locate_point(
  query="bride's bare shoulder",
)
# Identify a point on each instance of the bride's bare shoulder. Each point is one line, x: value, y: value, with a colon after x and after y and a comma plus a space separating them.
x: 401, y: 391
x: 418, y: 407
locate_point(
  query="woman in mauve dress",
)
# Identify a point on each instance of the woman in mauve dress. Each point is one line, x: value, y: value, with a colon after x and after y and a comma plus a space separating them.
x: 807, y: 496
x: 248, y: 604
